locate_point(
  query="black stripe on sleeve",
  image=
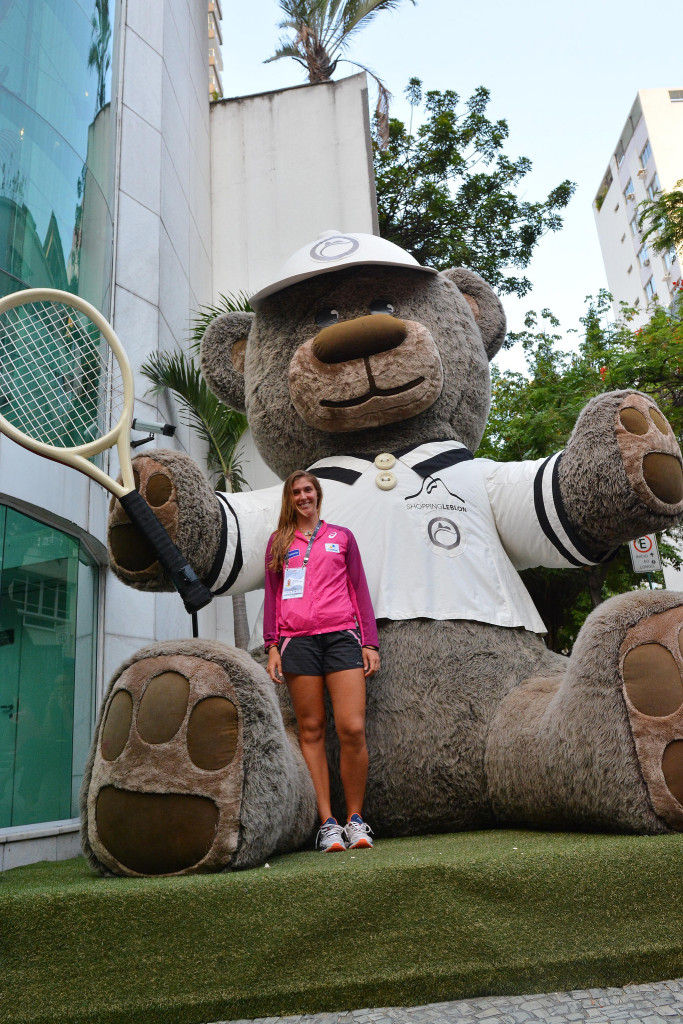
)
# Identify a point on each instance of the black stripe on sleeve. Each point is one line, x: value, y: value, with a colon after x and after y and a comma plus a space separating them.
x: 603, y: 556
x: 215, y: 570
x: 543, y: 520
x: 338, y: 473
x: 238, y: 561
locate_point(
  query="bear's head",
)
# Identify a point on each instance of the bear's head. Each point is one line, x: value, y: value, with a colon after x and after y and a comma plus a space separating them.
x: 365, y: 352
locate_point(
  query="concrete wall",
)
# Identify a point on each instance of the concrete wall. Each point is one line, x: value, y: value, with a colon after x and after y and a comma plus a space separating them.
x: 285, y: 166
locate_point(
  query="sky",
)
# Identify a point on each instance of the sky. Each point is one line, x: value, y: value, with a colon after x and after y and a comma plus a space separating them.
x: 564, y: 76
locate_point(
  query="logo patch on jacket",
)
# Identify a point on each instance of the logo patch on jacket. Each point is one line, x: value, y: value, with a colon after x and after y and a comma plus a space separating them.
x: 332, y: 547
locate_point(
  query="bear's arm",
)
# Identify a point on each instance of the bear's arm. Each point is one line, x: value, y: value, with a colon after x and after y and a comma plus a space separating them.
x: 531, y: 517
x: 620, y: 476
x: 248, y: 520
x: 223, y: 536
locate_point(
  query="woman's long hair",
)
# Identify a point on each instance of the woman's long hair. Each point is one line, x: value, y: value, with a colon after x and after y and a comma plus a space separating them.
x: 284, y: 535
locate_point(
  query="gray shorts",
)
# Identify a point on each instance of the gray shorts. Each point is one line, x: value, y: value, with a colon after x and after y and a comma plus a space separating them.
x: 321, y: 653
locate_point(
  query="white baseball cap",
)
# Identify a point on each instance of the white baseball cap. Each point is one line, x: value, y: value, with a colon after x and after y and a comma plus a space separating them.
x: 334, y: 250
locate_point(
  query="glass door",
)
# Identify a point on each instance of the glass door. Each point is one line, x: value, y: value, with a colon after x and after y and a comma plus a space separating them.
x: 47, y: 585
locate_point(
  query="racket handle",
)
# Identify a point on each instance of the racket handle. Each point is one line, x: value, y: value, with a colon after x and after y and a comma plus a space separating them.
x: 183, y: 577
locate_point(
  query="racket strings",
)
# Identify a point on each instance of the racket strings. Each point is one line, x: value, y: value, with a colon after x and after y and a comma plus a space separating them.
x: 59, y: 380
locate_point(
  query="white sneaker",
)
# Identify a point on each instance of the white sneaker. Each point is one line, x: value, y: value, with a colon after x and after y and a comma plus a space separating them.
x: 357, y: 834
x: 331, y: 837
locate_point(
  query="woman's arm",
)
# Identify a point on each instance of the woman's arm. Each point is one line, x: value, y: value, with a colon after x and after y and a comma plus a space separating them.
x: 271, y: 603
x: 361, y: 593
x: 271, y: 616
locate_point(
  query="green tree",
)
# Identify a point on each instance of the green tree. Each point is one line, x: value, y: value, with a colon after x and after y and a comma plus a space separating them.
x: 446, y: 192
x: 322, y: 31
x: 219, y: 427
x: 533, y: 415
x: 662, y: 219
x: 98, y: 55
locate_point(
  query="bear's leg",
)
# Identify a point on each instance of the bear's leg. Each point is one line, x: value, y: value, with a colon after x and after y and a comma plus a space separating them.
x: 192, y: 767
x: 601, y: 746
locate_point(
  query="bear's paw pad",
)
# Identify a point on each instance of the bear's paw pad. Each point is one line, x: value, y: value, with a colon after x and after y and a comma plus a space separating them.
x: 650, y: 454
x: 652, y: 674
x: 131, y: 552
x: 167, y: 776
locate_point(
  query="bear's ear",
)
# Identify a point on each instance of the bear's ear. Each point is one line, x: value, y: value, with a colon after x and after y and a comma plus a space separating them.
x: 485, y: 306
x: 222, y: 357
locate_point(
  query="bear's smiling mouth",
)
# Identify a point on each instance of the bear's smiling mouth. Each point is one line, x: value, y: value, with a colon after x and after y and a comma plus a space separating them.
x: 373, y: 390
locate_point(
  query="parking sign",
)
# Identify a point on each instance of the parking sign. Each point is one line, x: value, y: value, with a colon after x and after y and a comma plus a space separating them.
x: 645, y: 554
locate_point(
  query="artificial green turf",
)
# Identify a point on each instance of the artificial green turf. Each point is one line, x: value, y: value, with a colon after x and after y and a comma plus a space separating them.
x: 413, y: 921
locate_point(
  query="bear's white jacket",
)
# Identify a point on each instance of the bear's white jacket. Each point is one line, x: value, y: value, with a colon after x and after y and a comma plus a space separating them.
x: 441, y: 534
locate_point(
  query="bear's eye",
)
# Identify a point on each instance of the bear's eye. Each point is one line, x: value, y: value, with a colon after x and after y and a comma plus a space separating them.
x: 381, y: 306
x: 325, y: 317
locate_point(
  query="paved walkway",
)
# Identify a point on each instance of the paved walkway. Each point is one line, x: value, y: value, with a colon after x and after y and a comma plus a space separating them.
x: 658, y: 1003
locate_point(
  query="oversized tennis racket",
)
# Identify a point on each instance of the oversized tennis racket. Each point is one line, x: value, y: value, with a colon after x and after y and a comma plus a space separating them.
x: 66, y: 393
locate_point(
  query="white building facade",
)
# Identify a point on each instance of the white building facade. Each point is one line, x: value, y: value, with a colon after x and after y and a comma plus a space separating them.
x: 120, y: 183
x: 647, y: 159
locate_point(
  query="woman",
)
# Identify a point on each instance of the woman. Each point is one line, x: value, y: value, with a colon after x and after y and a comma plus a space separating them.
x: 319, y: 631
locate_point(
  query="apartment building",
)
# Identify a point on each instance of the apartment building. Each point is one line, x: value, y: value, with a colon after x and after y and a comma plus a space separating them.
x: 215, y: 53
x: 647, y: 159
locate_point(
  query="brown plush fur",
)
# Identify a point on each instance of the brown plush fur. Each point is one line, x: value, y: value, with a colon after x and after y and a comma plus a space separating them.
x: 265, y: 796
x: 286, y: 320
x: 562, y: 749
x: 468, y: 724
x: 601, y: 473
x: 195, y: 521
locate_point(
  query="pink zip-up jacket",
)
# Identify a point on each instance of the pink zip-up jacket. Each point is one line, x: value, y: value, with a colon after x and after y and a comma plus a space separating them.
x: 336, y: 594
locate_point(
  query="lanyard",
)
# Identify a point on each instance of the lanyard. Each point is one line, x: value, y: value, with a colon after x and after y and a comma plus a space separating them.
x: 310, y: 545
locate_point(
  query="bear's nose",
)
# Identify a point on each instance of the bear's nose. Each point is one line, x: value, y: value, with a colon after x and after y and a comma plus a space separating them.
x: 356, y: 339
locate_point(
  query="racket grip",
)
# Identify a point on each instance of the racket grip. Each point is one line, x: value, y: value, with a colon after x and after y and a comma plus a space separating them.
x: 183, y: 577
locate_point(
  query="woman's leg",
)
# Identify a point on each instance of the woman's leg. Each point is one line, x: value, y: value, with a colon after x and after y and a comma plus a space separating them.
x: 347, y: 690
x: 309, y: 707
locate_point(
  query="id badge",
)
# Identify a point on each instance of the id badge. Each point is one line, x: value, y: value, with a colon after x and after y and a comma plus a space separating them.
x: 293, y: 584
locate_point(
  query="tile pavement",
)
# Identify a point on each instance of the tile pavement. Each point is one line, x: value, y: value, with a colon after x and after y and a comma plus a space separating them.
x: 657, y: 1003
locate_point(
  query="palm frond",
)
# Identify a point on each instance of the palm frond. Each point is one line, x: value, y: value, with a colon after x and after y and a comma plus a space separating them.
x: 382, y: 105
x: 322, y: 30
x: 235, y: 302
x: 221, y: 428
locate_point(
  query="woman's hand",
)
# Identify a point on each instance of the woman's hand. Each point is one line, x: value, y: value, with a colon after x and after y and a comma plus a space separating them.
x: 370, y: 661
x: 275, y: 665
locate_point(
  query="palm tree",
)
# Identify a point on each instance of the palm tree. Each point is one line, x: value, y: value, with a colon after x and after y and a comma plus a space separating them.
x: 322, y: 32
x: 221, y: 428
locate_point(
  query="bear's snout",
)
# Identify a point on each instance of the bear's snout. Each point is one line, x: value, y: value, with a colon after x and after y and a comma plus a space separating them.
x: 365, y: 372
x: 358, y: 338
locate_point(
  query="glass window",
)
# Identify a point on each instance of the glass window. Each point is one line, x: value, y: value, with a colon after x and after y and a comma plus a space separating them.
x: 57, y: 146
x: 668, y: 259
x: 676, y: 95
x: 644, y: 256
x: 48, y: 639
x: 628, y: 191
x: 645, y: 154
x: 650, y: 290
x: 634, y: 226
x: 654, y: 188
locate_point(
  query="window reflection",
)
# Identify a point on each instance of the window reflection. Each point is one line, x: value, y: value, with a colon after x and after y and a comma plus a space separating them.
x: 57, y: 138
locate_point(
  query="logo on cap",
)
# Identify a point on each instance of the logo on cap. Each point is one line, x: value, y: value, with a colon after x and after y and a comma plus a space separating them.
x: 327, y: 250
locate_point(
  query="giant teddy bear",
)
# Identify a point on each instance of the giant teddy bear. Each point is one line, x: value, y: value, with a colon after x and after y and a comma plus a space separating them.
x: 373, y: 371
